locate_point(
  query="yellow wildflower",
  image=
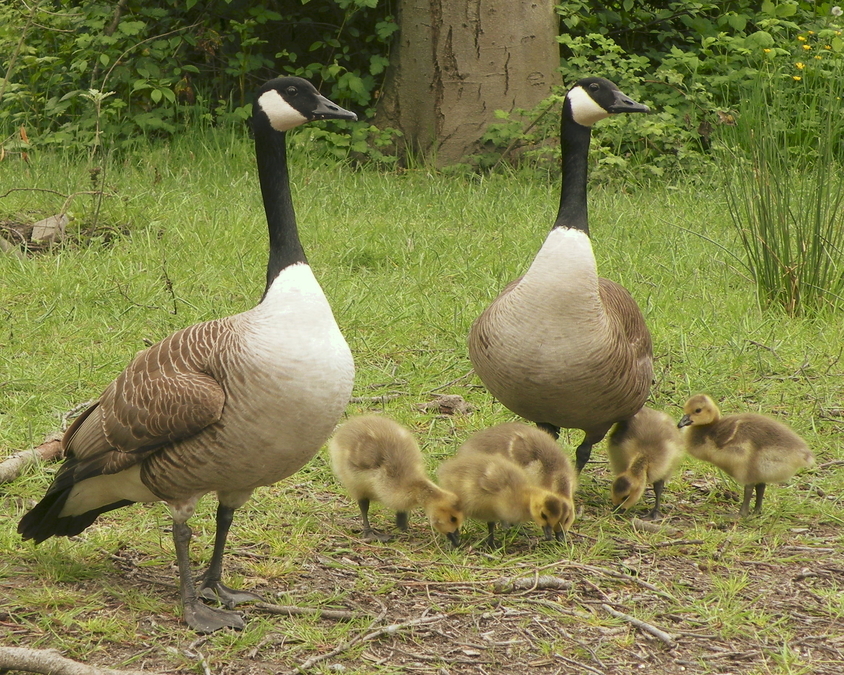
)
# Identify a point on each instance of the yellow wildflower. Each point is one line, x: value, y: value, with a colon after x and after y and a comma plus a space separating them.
x: 811, y: 32
x: 800, y: 65
x: 767, y: 51
x: 818, y: 57
x: 796, y: 78
x: 801, y: 38
x: 807, y: 47
x: 827, y: 47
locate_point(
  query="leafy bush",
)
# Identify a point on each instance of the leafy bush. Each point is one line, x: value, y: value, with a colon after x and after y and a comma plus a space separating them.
x: 79, y: 71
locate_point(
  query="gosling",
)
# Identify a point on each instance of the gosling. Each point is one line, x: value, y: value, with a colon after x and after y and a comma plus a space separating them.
x: 753, y: 449
x: 647, y: 448
x: 377, y: 459
x: 492, y: 488
x: 539, y: 455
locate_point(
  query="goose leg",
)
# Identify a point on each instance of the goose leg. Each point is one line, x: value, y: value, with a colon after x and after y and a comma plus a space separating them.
x: 655, y: 514
x: 549, y: 428
x: 368, y: 533
x: 211, y: 588
x: 490, y: 539
x: 401, y: 520
x: 745, y: 506
x: 198, y: 615
x: 760, y: 493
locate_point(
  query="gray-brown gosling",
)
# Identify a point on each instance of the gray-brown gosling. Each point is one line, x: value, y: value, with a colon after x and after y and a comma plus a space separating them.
x: 492, y: 488
x: 753, y: 449
x: 377, y: 459
x: 647, y: 448
x: 539, y: 455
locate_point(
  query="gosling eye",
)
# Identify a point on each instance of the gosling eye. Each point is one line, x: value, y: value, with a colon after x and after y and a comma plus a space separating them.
x: 291, y: 91
x: 543, y: 516
x: 454, y: 519
x: 697, y: 410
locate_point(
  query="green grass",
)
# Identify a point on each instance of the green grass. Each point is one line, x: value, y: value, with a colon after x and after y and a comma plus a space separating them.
x: 408, y: 261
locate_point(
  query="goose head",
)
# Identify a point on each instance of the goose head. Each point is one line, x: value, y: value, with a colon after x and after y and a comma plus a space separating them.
x: 595, y: 98
x: 546, y: 510
x: 699, y: 409
x: 287, y: 102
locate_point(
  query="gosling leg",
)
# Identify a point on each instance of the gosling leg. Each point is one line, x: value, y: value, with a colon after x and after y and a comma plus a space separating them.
x: 490, y: 539
x: 760, y: 494
x: 368, y: 533
x: 655, y: 513
x: 401, y: 520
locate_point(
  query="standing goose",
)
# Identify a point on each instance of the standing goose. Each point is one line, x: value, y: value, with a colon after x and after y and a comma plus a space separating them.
x: 562, y: 346
x: 223, y: 406
x: 752, y: 448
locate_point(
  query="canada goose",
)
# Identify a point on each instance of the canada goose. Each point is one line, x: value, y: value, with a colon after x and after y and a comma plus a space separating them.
x: 492, y: 488
x: 539, y: 455
x: 644, y: 449
x: 753, y: 449
x: 378, y: 459
x: 562, y: 346
x: 223, y: 406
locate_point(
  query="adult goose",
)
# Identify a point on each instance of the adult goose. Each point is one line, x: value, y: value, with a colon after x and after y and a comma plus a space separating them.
x: 562, y: 346
x: 223, y: 406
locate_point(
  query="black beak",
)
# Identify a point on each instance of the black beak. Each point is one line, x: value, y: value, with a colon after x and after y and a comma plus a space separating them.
x: 326, y: 110
x: 549, y: 532
x: 625, y: 104
x: 454, y: 538
x: 560, y: 535
x: 685, y: 421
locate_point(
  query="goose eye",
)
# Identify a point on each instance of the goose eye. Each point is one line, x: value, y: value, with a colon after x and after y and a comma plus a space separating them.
x: 291, y: 91
x: 594, y: 86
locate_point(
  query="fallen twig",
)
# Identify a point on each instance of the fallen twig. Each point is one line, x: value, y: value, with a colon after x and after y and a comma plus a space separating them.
x: 14, y: 466
x: 641, y: 625
x: 291, y: 610
x: 385, y: 630
x: 510, y: 584
x: 375, y: 399
x: 51, y: 662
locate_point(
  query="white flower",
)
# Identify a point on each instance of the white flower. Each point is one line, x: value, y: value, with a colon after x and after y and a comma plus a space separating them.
x: 836, y: 11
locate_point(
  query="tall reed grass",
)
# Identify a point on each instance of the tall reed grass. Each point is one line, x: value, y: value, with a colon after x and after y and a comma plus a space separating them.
x: 784, y: 183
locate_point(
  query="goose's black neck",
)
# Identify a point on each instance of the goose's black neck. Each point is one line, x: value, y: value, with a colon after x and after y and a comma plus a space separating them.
x: 285, y: 247
x: 574, y: 146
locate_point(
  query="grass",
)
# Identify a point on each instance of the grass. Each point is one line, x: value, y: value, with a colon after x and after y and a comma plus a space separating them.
x: 408, y: 261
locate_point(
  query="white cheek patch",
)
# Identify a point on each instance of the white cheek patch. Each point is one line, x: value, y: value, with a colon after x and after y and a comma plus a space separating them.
x: 584, y: 110
x: 282, y: 115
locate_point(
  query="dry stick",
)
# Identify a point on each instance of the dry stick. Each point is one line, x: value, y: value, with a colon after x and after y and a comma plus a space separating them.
x: 51, y: 662
x: 375, y: 399
x: 620, y: 575
x: 385, y: 630
x: 452, y: 382
x: 642, y: 625
x: 510, y: 584
x: 291, y: 610
x: 15, y: 465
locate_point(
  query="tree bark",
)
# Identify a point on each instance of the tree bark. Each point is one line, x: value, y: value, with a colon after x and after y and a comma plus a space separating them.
x: 455, y: 62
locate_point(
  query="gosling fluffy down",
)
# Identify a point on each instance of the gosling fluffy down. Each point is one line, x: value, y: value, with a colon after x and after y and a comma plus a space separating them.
x: 377, y: 459
x: 647, y: 448
x: 753, y: 449
x: 492, y: 488
x: 539, y: 455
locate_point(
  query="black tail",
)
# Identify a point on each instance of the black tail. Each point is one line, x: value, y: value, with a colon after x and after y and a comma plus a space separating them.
x: 43, y: 521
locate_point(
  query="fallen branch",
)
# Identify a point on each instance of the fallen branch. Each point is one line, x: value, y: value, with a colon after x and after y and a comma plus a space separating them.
x: 375, y: 399
x: 51, y: 662
x: 290, y: 610
x: 642, y: 625
x: 511, y: 584
x: 386, y: 630
x: 14, y: 466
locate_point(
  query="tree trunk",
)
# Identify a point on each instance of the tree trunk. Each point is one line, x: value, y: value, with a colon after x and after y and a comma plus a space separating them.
x: 455, y: 62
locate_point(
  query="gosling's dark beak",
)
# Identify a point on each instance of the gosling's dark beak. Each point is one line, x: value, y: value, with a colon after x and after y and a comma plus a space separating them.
x: 560, y: 535
x: 685, y: 421
x: 549, y: 532
x: 454, y: 538
x: 625, y: 104
x: 326, y: 110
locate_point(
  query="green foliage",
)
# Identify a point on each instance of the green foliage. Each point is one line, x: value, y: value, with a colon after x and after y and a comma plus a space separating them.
x: 94, y: 69
x: 783, y: 159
